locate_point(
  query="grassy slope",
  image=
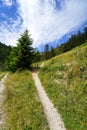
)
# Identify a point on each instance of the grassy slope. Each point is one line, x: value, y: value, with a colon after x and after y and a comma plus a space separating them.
x: 22, y: 106
x: 65, y: 81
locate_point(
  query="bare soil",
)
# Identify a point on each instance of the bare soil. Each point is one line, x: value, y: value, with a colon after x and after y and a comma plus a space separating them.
x: 2, y: 98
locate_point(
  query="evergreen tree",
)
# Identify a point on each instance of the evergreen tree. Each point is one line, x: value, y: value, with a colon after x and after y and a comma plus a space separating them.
x: 25, y: 51
x: 52, y: 52
x: 4, y: 53
x: 11, y: 62
x: 21, y: 56
x: 85, y: 33
x: 37, y: 56
x: 57, y: 50
x: 46, y: 52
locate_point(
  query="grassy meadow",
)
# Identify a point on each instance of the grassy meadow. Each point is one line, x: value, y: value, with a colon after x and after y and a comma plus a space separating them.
x: 65, y: 81
x: 22, y: 105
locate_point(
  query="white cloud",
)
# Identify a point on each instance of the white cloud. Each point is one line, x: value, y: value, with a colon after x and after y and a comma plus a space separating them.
x: 9, y: 33
x: 7, y: 2
x: 46, y: 22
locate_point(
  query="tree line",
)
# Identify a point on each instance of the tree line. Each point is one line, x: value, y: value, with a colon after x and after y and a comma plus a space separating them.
x: 74, y: 41
x: 4, y: 53
x: 23, y: 55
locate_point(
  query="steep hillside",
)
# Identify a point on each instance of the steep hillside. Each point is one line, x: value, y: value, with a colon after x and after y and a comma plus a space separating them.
x: 64, y: 78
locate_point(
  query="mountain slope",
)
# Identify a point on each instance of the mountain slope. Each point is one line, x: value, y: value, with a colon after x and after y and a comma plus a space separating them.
x: 65, y: 81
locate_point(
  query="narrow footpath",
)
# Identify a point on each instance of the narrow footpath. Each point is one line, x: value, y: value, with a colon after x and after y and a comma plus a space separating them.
x: 53, y: 117
x: 2, y: 98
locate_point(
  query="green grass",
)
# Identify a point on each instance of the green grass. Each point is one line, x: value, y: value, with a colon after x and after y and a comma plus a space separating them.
x: 37, y: 64
x: 22, y: 105
x: 2, y: 74
x: 65, y: 81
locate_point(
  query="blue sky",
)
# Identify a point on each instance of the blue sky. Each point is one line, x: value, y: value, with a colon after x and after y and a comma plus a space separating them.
x: 48, y: 21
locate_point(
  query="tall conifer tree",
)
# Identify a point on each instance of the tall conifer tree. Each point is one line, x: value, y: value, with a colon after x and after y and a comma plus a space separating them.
x: 24, y: 53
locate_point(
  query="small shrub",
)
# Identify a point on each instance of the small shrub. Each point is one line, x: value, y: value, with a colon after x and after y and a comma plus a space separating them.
x: 28, y: 128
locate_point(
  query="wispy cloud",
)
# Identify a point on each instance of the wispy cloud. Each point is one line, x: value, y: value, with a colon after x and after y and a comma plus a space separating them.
x: 48, y: 23
x: 9, y: 33
x: 7, y: 2
x: 47, y: 20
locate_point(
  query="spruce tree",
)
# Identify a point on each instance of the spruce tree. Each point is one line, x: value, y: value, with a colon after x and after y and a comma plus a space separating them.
x: 25, y: 51
x: 46, y: 52
x: 21, y: 56
x: 52, y: 52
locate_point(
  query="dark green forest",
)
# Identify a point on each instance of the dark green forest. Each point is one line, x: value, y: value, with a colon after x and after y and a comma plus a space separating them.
x: 4, y: 53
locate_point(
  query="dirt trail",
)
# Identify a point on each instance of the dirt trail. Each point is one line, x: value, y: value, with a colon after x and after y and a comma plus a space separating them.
x: 2, y: 97
x: 53, y: 117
